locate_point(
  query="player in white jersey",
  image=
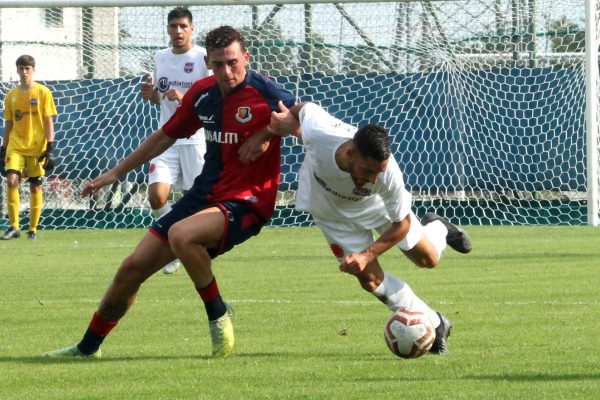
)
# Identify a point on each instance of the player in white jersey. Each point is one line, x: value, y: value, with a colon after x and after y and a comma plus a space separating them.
x: 352, y: 186
x: 176, y: 69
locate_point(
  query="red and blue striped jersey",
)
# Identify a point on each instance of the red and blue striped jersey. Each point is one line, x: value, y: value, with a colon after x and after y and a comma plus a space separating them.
x: 227, y: 122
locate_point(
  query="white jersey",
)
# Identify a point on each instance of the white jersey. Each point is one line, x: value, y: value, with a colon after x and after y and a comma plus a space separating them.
x: 178, y: 71
x: 329, y: 193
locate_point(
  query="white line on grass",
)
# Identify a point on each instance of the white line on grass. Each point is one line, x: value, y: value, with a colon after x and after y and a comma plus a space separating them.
x: 44, y: 302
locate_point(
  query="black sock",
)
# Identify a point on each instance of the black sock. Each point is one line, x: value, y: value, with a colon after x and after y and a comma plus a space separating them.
x: 91, y: 342
x: 215, y: 308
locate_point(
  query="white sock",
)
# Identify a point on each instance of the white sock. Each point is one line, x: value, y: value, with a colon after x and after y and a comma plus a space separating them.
x: 436, y: 232
x: 161, y: 211
x: 396, y: 294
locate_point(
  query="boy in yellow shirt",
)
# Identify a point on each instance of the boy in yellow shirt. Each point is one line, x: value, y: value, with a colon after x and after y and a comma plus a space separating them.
x: 28, y: 144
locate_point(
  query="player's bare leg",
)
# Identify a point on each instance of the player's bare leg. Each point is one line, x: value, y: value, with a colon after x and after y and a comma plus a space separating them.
x: 148, y: 257
x: 371, y: 276
x: 189, y: 239
x: 396, y: 294
x: 456, y: 237
x: 437, y: 233
x: 423, y: 254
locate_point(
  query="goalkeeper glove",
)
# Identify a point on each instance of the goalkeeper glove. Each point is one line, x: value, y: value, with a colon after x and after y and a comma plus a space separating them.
x: 46, y: 158
x: 2, y: 160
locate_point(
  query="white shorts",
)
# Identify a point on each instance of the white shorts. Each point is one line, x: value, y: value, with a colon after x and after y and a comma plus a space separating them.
x: 344, y: 242
x: 178, y: 166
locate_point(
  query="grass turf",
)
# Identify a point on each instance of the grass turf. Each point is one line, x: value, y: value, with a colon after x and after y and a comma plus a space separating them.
x: 524, y: 305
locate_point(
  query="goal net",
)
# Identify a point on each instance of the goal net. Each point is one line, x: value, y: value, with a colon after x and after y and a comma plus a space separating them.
x: 485, y: 99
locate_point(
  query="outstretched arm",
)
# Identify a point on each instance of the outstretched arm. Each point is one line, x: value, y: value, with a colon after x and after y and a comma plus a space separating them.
x: 356, y: 262
x: 282, y: 123
x: 255, y: 145
x: 150, y: 147
x: 286, y: 121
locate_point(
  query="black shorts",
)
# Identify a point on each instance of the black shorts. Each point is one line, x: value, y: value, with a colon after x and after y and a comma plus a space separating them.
x: 241, y: 223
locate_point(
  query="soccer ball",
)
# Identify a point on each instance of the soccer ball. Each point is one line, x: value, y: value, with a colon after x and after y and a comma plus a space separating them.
x: 409, y: 334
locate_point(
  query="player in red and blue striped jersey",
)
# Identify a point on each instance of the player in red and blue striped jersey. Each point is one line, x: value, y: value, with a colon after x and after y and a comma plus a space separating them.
x: 229, y: 202
x: 228, y: 121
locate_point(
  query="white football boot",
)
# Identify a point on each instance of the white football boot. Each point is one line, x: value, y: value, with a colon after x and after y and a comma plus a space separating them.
x: 171, y: 267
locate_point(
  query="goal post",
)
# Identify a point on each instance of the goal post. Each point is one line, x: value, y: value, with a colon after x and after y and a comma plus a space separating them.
x: 491, y: 104
x: 592, y: 111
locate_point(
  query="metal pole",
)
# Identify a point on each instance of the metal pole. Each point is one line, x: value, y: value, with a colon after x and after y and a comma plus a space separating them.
x: 308, y: 37
x: 531, y: 30
x: 87, y: 27
x: 591, y: 110
x: 167, y: 3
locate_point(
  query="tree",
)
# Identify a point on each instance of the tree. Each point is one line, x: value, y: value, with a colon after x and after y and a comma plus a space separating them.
x: 270, y: 54
x: 316, y: 56
x: 566, y: 36
x: 361, y: 60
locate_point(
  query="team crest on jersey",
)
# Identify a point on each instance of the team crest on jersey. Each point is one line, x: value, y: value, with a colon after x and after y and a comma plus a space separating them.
x: 33, y: 102
x: 361, y: 191
x: 243, y: 115
x: 188, y: 68
x: 18, y: 115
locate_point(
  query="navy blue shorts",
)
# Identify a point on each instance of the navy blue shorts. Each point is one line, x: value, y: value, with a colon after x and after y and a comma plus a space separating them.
x: 241, y: 223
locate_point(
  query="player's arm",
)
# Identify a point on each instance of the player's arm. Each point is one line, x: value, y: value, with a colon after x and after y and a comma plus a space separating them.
x: 49, y: 128
x: 150, y: 147
x: 149, y: 91
x: 8, y: 124
x: 397, y: 204
x: 356, y: 262
x: 47, y: 158
x: 281, y: 124
x: 173, y: 95
x: 7, y: 128
x: 255, y: 145
x: 286, y: 121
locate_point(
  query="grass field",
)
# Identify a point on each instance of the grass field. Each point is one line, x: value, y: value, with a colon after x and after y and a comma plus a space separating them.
x: 525, y: 306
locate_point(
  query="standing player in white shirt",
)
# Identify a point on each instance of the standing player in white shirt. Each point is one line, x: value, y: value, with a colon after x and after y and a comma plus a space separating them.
x: 176, y: 69
x: 352, y: 186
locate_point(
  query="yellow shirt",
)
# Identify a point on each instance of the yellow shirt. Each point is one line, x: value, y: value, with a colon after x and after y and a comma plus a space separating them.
x: 27, y: 112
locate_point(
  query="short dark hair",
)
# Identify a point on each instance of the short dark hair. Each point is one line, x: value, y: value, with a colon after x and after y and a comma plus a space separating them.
x: 222, y: 37
x: 25, y: 61
x: 180, y: 12
x: 373, y: 141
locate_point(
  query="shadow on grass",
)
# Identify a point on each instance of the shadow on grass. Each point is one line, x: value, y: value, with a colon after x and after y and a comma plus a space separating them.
x: 530, y: 256
x: 108, y: 357
x: 41, y: 360
x: 540, y: 377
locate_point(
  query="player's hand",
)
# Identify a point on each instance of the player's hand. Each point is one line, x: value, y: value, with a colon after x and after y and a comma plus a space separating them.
x: 173, y: 95
x: 284, y: 122
x: 255, y: 146
x: 354, y: 264
x: 47, y: 158
x: 2, y: 160
x: 147, y: 88
x: 98, y: 183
